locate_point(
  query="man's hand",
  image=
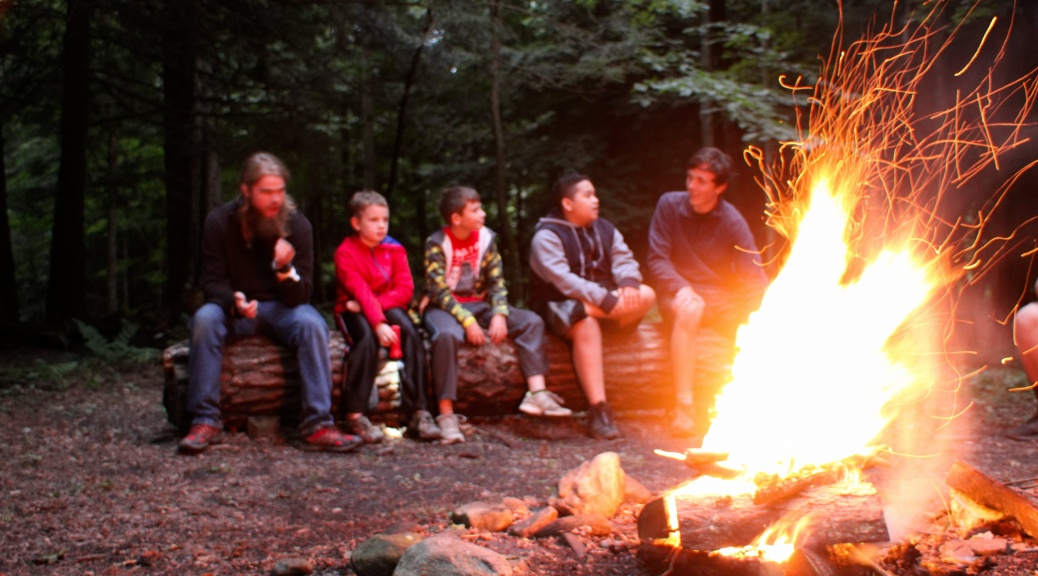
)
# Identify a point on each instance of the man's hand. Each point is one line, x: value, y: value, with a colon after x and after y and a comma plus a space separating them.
x: 498, y: 329
x: 245, y: 307
x: 284, y: 252
x: 474, y: 334
x: 686, y: 297
x: 386, y: 335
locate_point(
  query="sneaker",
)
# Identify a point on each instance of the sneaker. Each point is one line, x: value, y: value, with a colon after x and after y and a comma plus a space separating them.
x: 683, y: 425
x: 198, y: 439
x: 424, y: 426
x: 543, y: 403
x: 365, y: 429
x: 1026, y: 431
x: 450, y: 428
x: 329, y: 439
x: 600, y: 422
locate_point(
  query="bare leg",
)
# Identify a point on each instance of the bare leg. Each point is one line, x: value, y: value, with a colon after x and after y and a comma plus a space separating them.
x: 1025, y: 333
x: 587, y: 358
x: 683, y: 363
x: 535, y: 383
x: 646, y: 298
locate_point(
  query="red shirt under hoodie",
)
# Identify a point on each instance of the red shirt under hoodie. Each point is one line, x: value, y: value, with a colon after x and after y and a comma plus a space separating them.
x: 377, y: 278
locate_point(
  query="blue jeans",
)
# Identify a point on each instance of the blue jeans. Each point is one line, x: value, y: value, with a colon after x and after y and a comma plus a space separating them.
x: 301, y: 328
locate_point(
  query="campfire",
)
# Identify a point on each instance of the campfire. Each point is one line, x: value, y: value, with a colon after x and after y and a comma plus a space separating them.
x: 848, y: 344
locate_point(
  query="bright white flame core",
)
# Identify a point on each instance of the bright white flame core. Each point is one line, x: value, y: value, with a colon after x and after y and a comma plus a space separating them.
x: 811, y: 380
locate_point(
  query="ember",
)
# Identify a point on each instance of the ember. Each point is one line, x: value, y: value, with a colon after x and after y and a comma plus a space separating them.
x: 844, y: 340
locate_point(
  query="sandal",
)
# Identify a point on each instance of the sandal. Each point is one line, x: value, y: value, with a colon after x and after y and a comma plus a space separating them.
x: 331, y: 440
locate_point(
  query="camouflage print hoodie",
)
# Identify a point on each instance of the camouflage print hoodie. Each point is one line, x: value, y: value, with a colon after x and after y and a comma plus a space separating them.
x: 489, y: 282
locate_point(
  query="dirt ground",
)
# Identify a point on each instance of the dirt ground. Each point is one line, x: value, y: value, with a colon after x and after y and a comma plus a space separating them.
x: 90, y: 483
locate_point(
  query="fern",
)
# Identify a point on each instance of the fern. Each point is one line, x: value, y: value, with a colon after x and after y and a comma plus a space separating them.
x: 119, y: 348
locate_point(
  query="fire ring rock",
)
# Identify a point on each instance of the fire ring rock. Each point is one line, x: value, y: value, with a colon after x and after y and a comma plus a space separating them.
x: 596, y: 487
x: 446, y: 556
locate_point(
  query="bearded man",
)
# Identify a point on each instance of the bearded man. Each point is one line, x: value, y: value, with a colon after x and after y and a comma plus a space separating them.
x: 257, y: 269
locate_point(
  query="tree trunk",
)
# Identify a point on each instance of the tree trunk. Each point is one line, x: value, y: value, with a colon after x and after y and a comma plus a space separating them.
x: 9, y: 312
x: 178, y: 53
x: 66, y: 282
x: 511, y: 247
x: 401, y: 117
x: 191, y: 163
x: 112, y: 237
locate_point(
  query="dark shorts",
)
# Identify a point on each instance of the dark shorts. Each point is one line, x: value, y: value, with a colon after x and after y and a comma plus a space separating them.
x: 560, y: 317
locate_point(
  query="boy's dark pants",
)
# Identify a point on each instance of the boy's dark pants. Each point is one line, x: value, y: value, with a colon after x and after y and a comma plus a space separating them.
x: 525, y: 328
x: 362, y: 363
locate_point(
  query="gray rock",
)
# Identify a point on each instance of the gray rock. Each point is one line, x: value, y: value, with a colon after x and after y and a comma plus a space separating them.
x: 292, y: 567
x: 446, y: 556
x: 484, y: 516
x: 530, y: 525
x: 596, y: 487
x: 379, y: 555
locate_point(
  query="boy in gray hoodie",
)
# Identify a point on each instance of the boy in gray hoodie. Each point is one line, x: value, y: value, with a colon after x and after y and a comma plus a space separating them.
x: 585, y: 280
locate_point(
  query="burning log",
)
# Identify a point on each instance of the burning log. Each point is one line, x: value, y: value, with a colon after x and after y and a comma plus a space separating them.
x: 835, y: 514
x: 773, y: 488
x: 988, y: 492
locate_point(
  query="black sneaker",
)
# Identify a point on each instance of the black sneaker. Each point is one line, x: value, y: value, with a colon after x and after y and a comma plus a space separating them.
x: 1026, y: 431
x: 600, y: 422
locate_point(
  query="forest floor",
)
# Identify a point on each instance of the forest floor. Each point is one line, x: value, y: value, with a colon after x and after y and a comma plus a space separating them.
x: 90, y: 482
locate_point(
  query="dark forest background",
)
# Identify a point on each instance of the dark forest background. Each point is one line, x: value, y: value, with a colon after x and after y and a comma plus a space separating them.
x: 122, y: 123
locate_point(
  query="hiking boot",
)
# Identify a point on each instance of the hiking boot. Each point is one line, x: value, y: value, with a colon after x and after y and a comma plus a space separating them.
x: 600, y: 422
x: 363, y: 427
x: 1026, y: 431
x: 450, y: 428
x: 562, y: 315
x: 329, y: 439
x: 543, y: 403
x: 424, y: 426
x: 683, y: 424
x: 199, y: 438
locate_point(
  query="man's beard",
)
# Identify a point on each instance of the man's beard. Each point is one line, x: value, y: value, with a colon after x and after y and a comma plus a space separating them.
x: 256, y: 225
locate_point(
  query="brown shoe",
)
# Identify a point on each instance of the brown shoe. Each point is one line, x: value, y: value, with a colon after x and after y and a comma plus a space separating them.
x: 683, y: 426
x: 198, y: 439
x: 365, y: 429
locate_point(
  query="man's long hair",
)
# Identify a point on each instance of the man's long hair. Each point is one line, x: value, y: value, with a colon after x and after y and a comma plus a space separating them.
x: 256, y: 166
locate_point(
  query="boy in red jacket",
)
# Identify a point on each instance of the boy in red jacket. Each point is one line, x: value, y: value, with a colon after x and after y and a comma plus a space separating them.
x: 374, y: 289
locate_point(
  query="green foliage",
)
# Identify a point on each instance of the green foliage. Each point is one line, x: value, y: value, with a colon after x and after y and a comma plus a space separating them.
x: 118, y: 349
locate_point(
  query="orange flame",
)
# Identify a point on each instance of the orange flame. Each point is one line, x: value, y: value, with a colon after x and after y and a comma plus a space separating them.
x: 865, y: 299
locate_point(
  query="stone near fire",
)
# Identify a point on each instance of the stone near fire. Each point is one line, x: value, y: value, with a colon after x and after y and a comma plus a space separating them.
x: 448, y: 556
x: 635, y: 492
x: 517, y: 506
x: 596, y: 487
x: 484, y: 516
x: 379, y: 555
x: 292, y: 567
x: 529, y: 526
x: 594, y: 524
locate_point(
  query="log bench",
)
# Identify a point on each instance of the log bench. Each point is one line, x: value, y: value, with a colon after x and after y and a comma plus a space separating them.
x: 261, y: 378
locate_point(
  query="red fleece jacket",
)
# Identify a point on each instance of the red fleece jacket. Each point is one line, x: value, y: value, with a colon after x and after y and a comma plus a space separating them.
x: 377, y: 278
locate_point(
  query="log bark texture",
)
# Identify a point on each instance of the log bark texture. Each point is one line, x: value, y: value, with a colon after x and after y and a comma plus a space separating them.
x: 708, y: 523
x: 993, y: 494
x: 261, y: 377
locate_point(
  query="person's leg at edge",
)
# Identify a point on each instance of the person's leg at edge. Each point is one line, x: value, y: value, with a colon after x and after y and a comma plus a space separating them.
x: 1025, y: 335
x: 208, y: 330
